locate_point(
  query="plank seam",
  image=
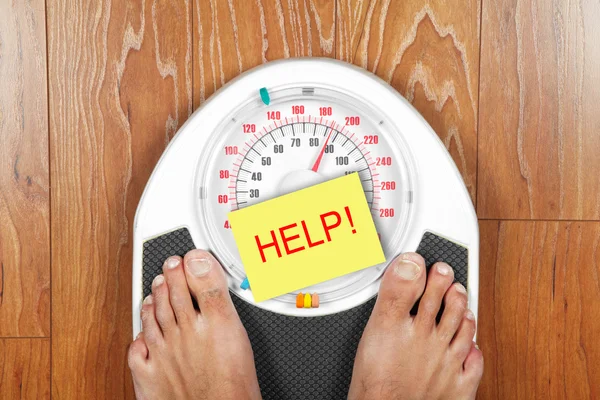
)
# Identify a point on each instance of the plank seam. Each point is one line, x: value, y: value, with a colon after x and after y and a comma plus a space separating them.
x: 478, y: 106
x: 49, y: 187
x: 23, y: 337
x: 2, y: 286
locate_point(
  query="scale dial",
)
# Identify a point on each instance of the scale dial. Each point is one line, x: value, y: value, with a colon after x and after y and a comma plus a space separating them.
x: 288, y: 156
x: 306, y: 135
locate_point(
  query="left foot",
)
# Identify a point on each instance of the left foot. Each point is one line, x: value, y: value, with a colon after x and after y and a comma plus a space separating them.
x: 185, y: 353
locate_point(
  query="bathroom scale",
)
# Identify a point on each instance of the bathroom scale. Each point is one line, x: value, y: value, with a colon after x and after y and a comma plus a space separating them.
x: 255, y: 139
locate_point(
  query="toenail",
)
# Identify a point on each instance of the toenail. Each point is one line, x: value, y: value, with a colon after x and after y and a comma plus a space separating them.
x: 460, y: 288
x: 407, y: 269
x: 443, y: 269
x: 469, y: 314
x: 198, y: 266
x: 172, y: 262
x: 159, y: 280
x: 148, y: 300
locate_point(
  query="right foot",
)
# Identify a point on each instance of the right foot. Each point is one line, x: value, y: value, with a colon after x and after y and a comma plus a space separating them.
x: 401, y: 356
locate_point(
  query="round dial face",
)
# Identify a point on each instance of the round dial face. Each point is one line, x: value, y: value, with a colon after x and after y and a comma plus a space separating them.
x: 305, y: 136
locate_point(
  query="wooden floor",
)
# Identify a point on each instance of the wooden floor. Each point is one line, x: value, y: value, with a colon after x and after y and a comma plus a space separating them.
x: 91, y: 92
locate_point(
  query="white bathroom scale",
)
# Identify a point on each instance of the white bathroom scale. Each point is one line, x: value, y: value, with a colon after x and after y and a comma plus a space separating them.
x: 256, y: 139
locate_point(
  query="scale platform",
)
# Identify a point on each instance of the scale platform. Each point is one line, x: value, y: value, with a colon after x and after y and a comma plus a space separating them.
x: 255, y: 139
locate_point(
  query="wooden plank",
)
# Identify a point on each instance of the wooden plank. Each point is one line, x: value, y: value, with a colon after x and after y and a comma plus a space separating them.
x: 24, y: 205
x: 539, y: 140
x: 233, y: 36
x: 539, y: 302
x: 429, y: 52
x: 25, y: 369
x: 120, y: 79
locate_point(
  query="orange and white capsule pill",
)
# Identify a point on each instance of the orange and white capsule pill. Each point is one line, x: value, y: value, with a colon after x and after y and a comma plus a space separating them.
x: 299, y: 300
x: 307, y: 301
x: 315, y: 300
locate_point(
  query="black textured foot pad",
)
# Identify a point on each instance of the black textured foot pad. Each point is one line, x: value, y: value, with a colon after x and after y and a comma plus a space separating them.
x: 435, y: 248
x: 301, y: 358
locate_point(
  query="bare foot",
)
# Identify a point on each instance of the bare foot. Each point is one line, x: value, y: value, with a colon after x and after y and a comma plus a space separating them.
x: 401, y: 356
x: 184, y: 353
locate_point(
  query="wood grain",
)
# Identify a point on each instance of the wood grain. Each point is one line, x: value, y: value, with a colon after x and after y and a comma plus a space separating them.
x: 120, y: 79
x: 429, y: 52
x: 24, y: 204
x: 539, y: 302
x: 540, y: 126
x: 235, y: 35
x: 25, y: 369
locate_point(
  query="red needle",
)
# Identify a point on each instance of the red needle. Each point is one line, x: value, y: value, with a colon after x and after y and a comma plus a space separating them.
x: 318, y: 162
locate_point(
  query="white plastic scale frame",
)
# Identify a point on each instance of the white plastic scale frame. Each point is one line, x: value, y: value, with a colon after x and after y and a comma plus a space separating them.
x: 440, y: 201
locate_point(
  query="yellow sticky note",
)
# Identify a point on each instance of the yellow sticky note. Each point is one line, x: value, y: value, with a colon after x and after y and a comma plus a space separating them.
x: 306, y: 237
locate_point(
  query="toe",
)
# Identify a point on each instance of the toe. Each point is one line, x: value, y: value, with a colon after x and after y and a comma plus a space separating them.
x: 162, y: 305
x: 463, y: 340
x: 152, y: 333
x: 401, y: 286
x: 473, y: 365
x: 208, y: 284
x: 179, y: 293
x: 439, y: 280
x: 455, y: 305
x: 138, y: 353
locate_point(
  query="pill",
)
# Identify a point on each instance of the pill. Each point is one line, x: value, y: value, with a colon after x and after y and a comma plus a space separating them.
x: 307, y: 301
x: 245, y: 284
x: 300, y: 300
x: 315, y: 300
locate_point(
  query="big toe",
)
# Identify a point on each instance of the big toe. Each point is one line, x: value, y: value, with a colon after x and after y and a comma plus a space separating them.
x: 208, y: 284
x: 402, y: 285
